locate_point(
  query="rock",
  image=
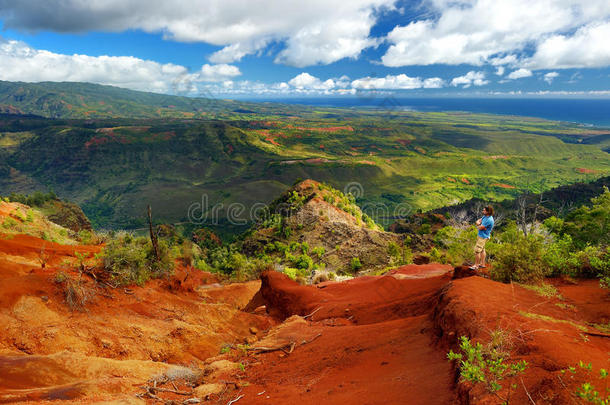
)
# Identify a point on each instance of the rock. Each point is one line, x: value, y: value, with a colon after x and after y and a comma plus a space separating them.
x: 253, y: 330
x: 205, y: 390
x: 219, y: 367
x: 250, y: 340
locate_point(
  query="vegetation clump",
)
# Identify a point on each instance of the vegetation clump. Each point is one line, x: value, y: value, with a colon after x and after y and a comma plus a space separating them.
x: 489, y: 365
x: 131, y: 260
x: 591, y: 391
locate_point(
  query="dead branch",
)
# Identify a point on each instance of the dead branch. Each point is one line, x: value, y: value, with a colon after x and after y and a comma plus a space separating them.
x: 153, y: 237
x: 159, y: 389
x: 526, y: 391
x: 307, y: 316
x: 235, y: 400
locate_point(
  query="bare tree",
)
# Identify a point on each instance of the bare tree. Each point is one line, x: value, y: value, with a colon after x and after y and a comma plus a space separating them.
x: 153, y: 236
x: 527, y: 215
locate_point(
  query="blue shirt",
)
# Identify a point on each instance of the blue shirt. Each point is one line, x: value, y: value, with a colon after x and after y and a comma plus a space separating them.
x: 488, y: 223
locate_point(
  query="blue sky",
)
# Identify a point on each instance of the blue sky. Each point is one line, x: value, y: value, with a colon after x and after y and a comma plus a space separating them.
x: 282, y: 48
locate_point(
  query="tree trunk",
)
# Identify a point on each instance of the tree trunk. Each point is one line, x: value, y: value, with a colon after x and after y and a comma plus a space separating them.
x: 153, y: 237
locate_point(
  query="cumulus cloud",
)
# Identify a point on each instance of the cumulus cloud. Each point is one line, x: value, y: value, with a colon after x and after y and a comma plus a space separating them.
x: 499, y: 32
x: 519, y: 73
x: 397, y: 82
x: 549, y: 77
x: 469, y: 79
x: 217, y: 73
x: 318, y: 32
x: 20, y: 62
x: 305, y: 81
x: 586, y: 48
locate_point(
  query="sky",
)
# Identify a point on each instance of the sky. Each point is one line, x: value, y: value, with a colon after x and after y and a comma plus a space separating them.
x: 284, y: 48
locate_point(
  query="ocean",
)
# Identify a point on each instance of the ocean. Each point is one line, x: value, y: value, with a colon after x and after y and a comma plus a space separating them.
x: 589, y: 112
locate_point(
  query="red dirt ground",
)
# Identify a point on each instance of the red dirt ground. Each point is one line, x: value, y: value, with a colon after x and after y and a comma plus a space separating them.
x: 122, y: 336
x: 368, y: 340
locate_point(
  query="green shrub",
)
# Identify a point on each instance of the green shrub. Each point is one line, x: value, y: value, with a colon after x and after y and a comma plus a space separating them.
x: 436, y: 256
x: 519, y: 257
x: 556, y: 255
x: 9, y: 223
x: 318, y: 251
x: 479, y: 364
x: 87, y: 237
x: 303, y: 261
x: 458, y: 243
x: 295, y: 200
x: 587, y: 391
x: 131, y: 259
x: 400, y: 255
x: 355, y: 264
x: 590, y: 225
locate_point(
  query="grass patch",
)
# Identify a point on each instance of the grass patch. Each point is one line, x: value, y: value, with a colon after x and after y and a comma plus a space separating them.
x: 553, y: 320
x: 563, y: 305
x: 604, y: 328
x: 544, y: 290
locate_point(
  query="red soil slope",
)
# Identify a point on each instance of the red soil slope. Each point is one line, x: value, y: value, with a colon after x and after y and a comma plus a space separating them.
x: 371, y: 344
x: 121, y: 338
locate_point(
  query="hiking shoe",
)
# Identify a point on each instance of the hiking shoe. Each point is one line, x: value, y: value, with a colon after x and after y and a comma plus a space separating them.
x: 473, y: 267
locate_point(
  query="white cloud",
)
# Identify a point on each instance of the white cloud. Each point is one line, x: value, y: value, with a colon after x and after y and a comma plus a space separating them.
x: 307, y: 82
x: 500, y: 70
x: 469, y: 79
x: 217, y: 73
x: 478, y: 32
x: 434, y: 83
x: 587, y: 48
x: 519, y: 73
x: 314, y: 32
x: 20, y: 62
x: 549, y: 77
x: 396, y: 82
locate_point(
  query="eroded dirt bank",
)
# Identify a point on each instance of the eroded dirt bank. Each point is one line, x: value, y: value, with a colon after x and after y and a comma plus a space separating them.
x: 119, y: 340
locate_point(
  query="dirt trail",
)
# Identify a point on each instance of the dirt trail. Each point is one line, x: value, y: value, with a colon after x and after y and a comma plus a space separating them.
x: 369, y: 341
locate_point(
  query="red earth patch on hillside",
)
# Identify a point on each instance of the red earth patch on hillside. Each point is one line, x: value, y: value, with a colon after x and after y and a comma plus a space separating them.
x: 502, y: 185
x: 586, y: 171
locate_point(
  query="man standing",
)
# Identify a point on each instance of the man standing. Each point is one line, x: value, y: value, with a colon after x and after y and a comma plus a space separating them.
x: 484, y: 225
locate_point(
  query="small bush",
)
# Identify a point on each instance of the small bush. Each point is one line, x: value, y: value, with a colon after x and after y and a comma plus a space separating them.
x: 88, y: 237
x: 295, y: 273
x: 303, y: 262
x: 587, y: 391
x: 519, y: 257
x: 9, y: 223
x: 318, y: 251
x: 355, y: 264
x: 457, y: 242
x: 131, y: 259
x: 400, y: 255
x: 479, y: 364
x: 76, y: 292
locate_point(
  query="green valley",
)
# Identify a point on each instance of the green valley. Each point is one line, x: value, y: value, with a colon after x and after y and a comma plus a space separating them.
x: 130, y: 149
